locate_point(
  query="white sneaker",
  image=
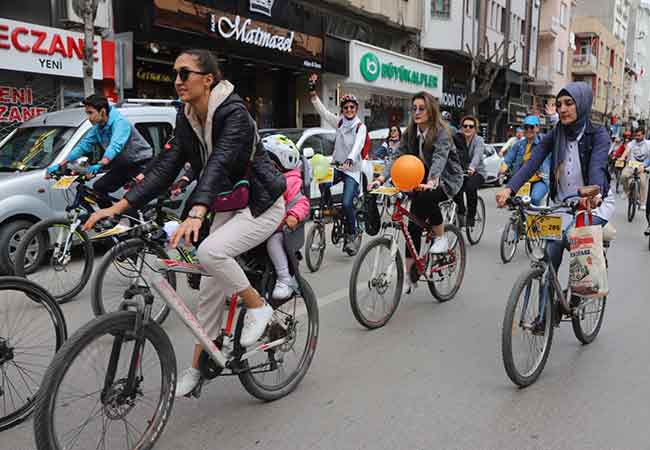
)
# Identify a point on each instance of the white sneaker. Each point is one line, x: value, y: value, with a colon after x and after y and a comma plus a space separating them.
x: 254, y: 324
x: 642, y: 207
x: 440, y: 245
x: 187, y: 382
x: 281, y: 291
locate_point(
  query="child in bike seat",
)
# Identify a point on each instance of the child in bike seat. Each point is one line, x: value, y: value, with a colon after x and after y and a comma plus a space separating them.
x: 286, y: 157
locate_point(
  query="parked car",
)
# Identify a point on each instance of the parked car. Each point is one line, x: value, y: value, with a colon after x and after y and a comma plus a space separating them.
x: 493, y: 163
x: 320, y: 141
x: 26, y: 196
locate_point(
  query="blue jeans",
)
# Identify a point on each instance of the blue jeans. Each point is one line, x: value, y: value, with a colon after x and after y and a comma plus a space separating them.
x: 555, y: 249
x: 350, y: 191
x: 537, y: 192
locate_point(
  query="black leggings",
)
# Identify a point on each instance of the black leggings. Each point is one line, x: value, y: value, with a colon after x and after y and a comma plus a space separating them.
x: 471, y: 184
x: 425, y: 207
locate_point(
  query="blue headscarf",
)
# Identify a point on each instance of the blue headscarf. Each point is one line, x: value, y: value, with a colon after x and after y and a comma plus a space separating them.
x: 580, y: 93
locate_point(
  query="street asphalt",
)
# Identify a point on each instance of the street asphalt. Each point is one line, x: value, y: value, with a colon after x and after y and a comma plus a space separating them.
x: 433, y: 377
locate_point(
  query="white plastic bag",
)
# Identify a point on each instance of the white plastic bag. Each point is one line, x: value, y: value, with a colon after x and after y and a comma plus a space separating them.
x: 587, y: 267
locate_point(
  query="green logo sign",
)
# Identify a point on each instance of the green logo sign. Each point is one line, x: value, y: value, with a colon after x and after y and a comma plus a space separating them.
x: 370, y: 66
x: 371, y: 69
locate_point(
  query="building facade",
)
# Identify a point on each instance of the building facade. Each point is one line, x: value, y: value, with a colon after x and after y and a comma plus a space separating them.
x: 637, y: 62
x: 599, y: 61
x: 614, y: 15
x: 41, y: 52
x: 556, y: 44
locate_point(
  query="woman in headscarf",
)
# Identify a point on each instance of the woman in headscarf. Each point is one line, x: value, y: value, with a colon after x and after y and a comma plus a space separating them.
x: 579, y: 151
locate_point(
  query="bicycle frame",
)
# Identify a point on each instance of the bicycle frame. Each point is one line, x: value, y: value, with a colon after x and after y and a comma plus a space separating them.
x: 174, y: 301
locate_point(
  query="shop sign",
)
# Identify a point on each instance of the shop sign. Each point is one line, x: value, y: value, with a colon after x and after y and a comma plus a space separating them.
x: 16, y: 105
x: 33, y: 48
x: 516, y: 112
x: 242, y: 31
x: 145, y: 75
x: 261, y: 6
x: 453, y: 100
x: 389, y: 70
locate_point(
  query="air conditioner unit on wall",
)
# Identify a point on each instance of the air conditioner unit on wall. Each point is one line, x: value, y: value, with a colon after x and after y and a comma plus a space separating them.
x: 70, y: 11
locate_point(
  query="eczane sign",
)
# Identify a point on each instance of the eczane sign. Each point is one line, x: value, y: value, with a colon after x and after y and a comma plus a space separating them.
x: 33, y: 48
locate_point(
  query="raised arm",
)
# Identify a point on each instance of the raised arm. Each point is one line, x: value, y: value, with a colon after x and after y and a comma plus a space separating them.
x: 328, y: 116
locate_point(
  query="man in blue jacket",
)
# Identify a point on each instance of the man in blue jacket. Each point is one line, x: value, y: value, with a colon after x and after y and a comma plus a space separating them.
x: 126, y: 152
x: 522, y: 151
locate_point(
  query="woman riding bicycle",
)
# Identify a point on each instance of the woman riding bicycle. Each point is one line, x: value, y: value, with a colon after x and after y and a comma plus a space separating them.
x: 471, y: 149
x: 216, y: 135
x: 428, y: 137
x: 348, y: 144
x: 579, y: 151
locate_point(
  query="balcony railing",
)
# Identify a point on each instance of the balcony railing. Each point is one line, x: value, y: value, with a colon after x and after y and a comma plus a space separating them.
x: 586, y: 62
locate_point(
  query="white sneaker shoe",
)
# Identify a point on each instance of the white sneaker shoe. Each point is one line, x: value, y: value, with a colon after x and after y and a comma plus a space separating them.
x: 187, y: 382
x: 255, y: 323
x: 440, y: 245
x: 642, y: 207
x: 281, y: 291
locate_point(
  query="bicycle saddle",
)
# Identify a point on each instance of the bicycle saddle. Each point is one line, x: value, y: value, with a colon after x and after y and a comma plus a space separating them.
x: 589, y: 191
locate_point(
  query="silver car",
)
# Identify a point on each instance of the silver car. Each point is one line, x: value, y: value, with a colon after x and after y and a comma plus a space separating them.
x: 25, y: 195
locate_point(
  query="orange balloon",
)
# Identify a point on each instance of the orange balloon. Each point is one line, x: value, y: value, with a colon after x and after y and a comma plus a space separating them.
x: 407, y: 172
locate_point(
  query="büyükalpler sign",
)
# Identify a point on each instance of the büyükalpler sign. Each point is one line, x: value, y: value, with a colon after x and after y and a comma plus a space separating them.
x: 384, y: 69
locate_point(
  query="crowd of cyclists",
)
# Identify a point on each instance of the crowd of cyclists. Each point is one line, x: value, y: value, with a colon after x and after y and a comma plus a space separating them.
x: 249, y: 192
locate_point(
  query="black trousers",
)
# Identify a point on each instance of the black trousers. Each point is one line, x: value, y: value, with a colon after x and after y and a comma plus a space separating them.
x: 471, y: 184
x: 425, y: 207
x: 119, y: 173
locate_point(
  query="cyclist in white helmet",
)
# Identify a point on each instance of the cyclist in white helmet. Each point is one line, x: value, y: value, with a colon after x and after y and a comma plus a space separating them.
x: 348, y: 145
x: 286, y: 157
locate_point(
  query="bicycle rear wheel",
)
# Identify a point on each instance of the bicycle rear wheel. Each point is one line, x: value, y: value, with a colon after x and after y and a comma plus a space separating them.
x: 32, y: 329
x: 84, y: 407
x: 124, y: 268
x: 632, y: 201
x: 447, y: 270
x: 589, y: 319
x: 509, y: 241
x: 376, y: 283
x: 68, y: 263
x: 315, y: 247
x: 527, y: 330
x: 274, y: 373
x: 475, y: 233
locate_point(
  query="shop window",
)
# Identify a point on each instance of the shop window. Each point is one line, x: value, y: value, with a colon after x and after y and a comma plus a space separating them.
x: 155, y: 133
x: 440, y: 9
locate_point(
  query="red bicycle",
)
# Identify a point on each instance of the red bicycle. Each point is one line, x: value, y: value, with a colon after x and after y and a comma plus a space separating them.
x: 377, y: 275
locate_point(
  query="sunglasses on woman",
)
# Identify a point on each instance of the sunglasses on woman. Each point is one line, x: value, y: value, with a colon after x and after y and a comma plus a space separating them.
x: 418, y: 109
x: 348, y: 108
x: 469, y: 126
x: 184, y: 73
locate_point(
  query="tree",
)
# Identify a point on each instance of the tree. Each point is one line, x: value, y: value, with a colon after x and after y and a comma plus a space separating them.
x: 87, y: 10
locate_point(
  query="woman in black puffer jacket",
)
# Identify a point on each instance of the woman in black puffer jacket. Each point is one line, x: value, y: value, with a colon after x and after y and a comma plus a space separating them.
x: 215, y: 134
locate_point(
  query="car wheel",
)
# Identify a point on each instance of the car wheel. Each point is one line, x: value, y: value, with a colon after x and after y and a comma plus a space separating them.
x: 10, y: 235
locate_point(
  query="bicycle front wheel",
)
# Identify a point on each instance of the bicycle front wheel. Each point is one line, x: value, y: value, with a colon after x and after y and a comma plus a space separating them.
x: 32, y: 329
x: 128, y: 267
x: 315, y: 247
x: 376, y: 283
x: 588, y: 320
x: 86, y: 405
x: 509, y: 241
x: 446, y: 272
x: 527, y: 330
x: 68, y: 260
x: 475, y: 233
x: 274, y: 373
x: 632, y: 202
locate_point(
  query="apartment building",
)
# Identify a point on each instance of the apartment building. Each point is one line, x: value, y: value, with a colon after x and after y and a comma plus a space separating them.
x: 555, y: 47
x: 637, y: 63
x: 598, y: 59
x: 613, y: 14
